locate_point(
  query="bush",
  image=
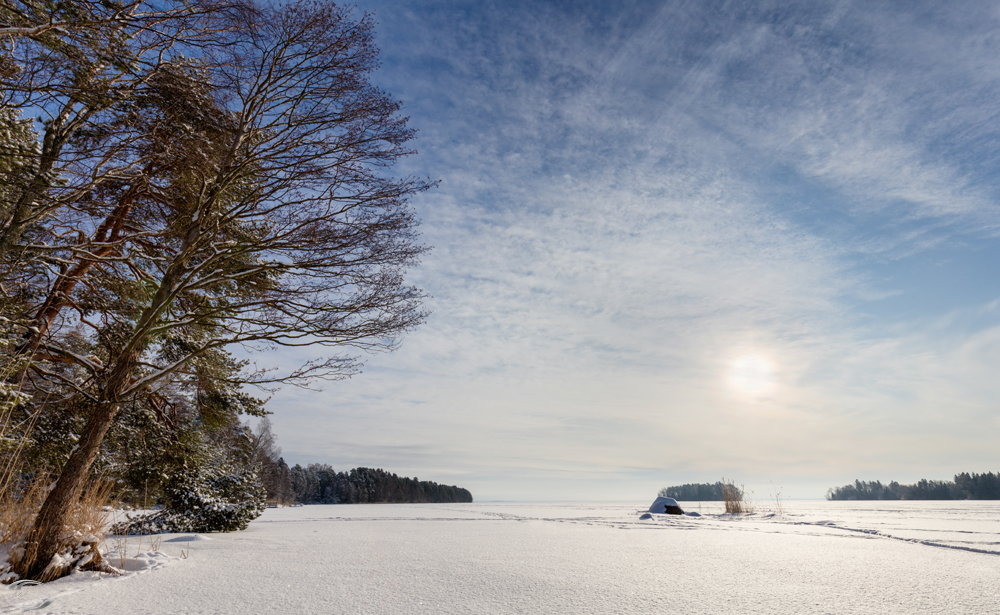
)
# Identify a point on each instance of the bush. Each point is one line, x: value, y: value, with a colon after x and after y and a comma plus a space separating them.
x: 218, y: 499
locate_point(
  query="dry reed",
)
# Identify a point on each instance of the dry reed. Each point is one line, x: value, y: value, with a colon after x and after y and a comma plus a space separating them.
x: 13, y: 515
x: 82, y: 531
x: 733, y: 497
x: 121, y: 542
x: 779, y: 509
x: 21, y: 499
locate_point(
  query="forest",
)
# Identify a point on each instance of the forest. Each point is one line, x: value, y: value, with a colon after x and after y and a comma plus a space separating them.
x: 321, y: 484
x: 697, y: 492
x: 965, y: 487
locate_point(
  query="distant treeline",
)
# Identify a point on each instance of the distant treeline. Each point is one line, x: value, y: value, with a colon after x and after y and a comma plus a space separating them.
x: 321, y: 484
x: 965, y: 487
x: 697, y: 492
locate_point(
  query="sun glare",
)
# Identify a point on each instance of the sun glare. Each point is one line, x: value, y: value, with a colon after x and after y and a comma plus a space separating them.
x: 751, y: 375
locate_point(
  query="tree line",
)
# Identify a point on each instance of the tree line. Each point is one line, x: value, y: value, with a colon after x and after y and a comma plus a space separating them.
x: 965, y: 487
x: 699, y: 492
x: 318, y: 483
x: 321, y: 484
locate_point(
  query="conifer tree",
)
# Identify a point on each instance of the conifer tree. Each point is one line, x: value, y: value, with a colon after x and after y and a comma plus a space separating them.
x: 231, y: 189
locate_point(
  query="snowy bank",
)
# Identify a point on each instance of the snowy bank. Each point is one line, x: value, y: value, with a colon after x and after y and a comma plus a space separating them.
x: 816, y: 557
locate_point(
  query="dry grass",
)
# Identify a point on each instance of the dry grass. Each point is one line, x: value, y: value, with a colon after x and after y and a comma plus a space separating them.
x: 733, y: 497
x: 82, y: 532
x: 779, y: 509
x: 14, y: 519
x: 21, y: 500
x: 18, y: 508
x: 121, y: 542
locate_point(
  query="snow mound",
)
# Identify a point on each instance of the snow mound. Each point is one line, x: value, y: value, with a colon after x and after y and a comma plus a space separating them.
x: 666, y: 506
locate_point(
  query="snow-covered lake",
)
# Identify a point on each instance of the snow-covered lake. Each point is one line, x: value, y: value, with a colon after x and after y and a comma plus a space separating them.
x: 578, y: 558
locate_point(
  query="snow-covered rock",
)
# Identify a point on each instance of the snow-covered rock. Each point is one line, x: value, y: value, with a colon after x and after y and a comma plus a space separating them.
x: 666, y: 506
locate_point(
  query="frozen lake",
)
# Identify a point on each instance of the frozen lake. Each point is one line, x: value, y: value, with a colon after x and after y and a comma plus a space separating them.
x: 579, y: 558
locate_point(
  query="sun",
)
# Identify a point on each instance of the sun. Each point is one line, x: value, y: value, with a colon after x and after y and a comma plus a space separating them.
x: 752, y: 375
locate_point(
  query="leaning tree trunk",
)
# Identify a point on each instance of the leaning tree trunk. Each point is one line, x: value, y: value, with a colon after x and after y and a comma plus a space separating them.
x: 45, y: 538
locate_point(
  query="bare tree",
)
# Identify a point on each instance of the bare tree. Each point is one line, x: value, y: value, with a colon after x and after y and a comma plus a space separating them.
x: 80, y: 20
x: 72, y: 64
x: 266, y: 454
x: 257, y: 211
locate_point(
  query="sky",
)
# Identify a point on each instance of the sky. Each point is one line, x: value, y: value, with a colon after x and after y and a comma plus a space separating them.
x: 685, y: 240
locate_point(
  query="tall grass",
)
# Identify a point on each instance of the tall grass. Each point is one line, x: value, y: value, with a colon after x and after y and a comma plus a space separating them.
x: 21, y: 499
x: 733, y: 497
x: 779, y: 508
x: 82, y: 533
x: 10, y: 453
x: 11, y: 442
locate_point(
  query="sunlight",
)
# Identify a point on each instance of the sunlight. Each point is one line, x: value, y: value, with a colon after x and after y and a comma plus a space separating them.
x: 752, y: 375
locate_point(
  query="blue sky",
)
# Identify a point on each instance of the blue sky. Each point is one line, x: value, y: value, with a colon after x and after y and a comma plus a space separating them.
x: 676, y: 241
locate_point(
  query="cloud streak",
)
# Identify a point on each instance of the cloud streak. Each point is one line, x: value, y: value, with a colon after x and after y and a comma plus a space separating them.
x: 631, y: 201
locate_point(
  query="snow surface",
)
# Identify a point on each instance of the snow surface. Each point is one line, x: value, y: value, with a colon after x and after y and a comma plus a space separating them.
x: 816, y: 557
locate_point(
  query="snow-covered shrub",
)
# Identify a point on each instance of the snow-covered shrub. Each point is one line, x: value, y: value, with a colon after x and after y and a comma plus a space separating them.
x: 222, y: 498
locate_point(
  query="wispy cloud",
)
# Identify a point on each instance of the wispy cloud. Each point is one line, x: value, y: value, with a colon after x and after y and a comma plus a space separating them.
x: 633, y: 199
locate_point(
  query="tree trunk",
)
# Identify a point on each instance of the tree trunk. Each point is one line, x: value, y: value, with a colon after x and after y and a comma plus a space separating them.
x: 44, y: 541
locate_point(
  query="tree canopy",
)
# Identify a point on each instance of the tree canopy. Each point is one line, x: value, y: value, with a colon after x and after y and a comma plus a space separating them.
x: 203, y: 175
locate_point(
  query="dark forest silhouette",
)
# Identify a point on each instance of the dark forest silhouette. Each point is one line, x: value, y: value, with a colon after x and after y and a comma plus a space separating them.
x: 696, y: 492
x: 321, y: 484
x: 965, y: 487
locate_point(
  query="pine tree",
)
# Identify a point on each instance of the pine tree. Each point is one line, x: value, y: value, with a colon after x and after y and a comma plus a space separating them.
x: 199, y: 206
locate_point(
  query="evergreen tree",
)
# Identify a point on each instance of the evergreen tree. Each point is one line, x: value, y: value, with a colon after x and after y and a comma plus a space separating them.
x: 219, y: 490
x: 210, y: 178
x: 965, y: 486
x: 695, y: 492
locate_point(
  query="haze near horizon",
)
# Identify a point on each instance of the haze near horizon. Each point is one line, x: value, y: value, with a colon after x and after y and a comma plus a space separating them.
x: 675, y: 242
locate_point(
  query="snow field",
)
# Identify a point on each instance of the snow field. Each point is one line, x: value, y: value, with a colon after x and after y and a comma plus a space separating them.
x: 819, y: 557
